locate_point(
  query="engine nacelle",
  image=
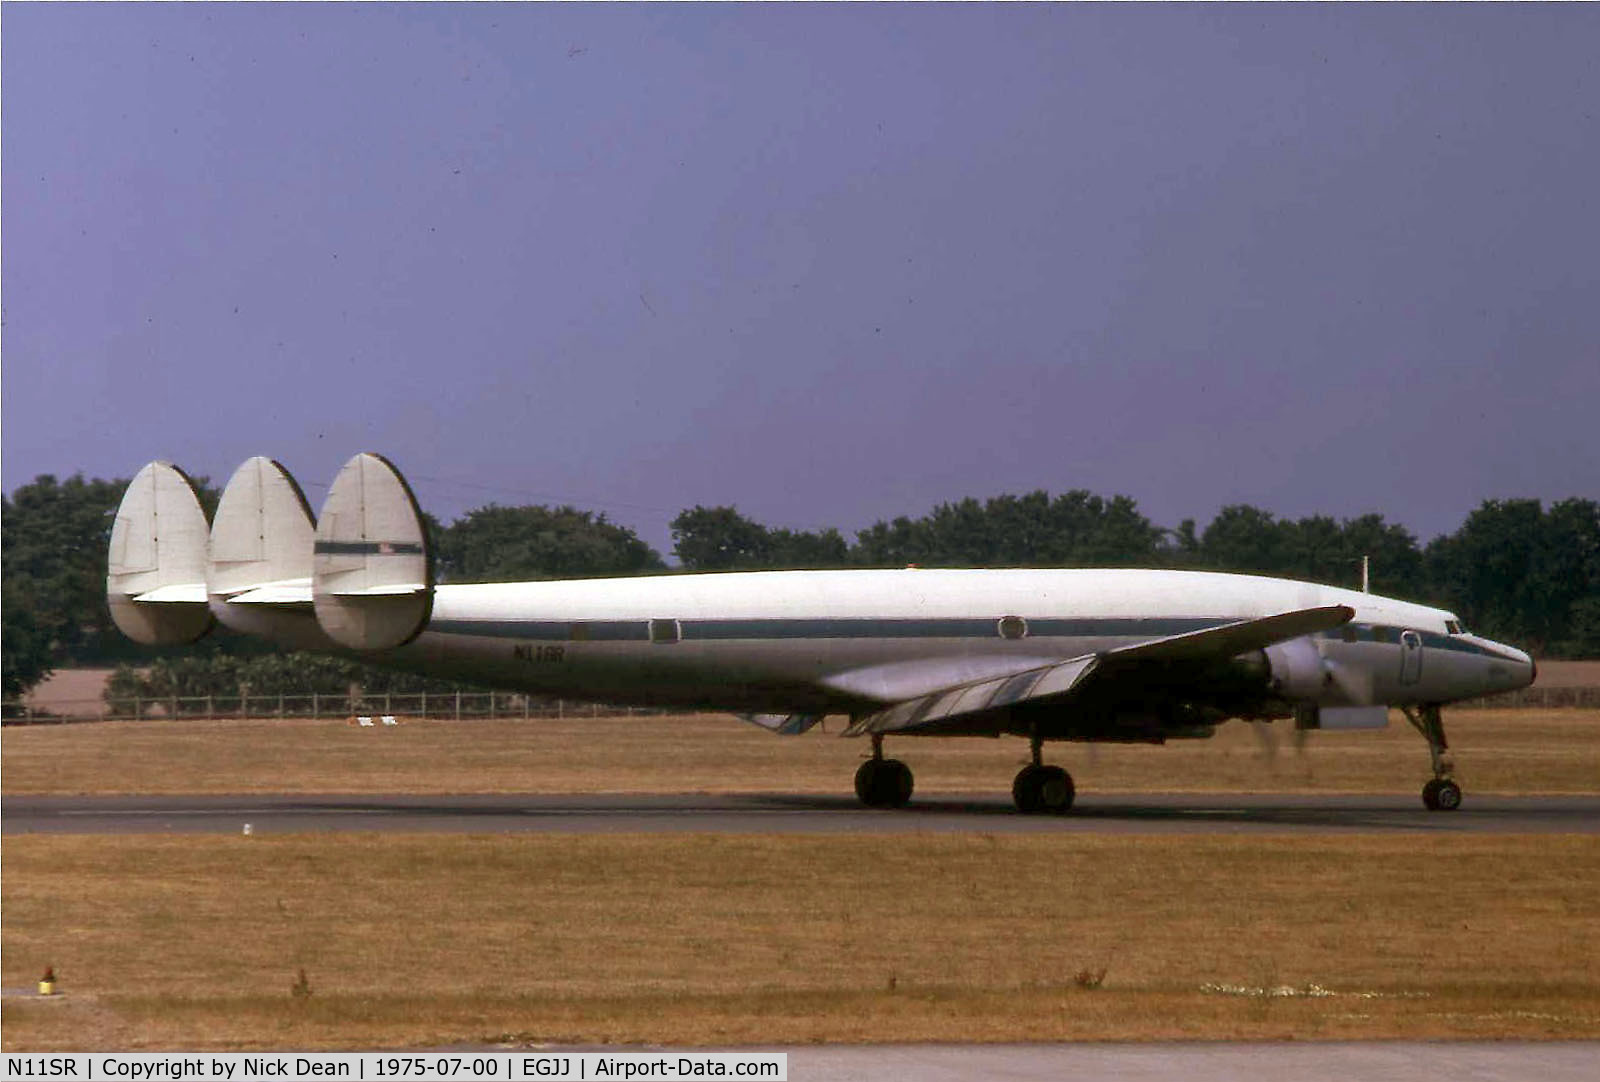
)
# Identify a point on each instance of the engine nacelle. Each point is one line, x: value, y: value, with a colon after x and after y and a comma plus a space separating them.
x: 1296, y: 670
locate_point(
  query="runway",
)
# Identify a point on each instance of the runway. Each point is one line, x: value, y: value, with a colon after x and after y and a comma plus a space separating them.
x: 786, y: 814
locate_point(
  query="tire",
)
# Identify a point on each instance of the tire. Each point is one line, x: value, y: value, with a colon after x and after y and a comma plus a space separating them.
x: 1055, y: 789
x: 867, y: 783
x: 1025, y: 790
x: 894, y: 784
x: 1447, y: 797
x: 1430, y: 795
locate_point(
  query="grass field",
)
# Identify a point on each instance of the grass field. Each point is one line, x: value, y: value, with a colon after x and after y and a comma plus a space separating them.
x: 198, y: 942
x: 168, y: 942
x: 1495, y: 751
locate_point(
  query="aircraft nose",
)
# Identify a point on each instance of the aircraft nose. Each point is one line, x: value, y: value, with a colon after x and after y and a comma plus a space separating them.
x: 1526, y: 671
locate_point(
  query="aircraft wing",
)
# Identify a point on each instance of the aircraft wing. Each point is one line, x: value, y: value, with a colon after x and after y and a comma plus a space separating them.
x: 963, y: 704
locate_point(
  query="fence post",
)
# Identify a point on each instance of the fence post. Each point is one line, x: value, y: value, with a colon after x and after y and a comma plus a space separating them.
x: 458, y: 704
x: 525, y: 700
x: 211, y: 706
x: 388, y: 706
x: 314, y: 714
x: 424, y: 705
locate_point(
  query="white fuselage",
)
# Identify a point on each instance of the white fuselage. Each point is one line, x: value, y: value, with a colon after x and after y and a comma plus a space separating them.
x: 849, y: 641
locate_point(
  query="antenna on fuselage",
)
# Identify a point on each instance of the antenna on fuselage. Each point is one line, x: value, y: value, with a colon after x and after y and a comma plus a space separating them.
x: 1366, y: 574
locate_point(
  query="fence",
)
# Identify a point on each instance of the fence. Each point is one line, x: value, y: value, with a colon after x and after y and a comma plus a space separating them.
x: 1545, y: 698
x: 468, y: 705
x: 455, y: 706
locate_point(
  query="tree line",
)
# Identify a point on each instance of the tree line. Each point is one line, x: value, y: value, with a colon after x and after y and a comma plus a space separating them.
x: 1515, y: 569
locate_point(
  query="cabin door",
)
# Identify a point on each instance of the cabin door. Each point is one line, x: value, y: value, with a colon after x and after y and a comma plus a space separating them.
x: 1410, y: 657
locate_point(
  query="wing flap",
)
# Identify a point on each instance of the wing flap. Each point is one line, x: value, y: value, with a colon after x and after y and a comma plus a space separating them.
x: 962, y: 705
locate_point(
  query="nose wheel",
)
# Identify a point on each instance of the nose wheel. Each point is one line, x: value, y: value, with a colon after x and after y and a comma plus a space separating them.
x: 1442, y: 793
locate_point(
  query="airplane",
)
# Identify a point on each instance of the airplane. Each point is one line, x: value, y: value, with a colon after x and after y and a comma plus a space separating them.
x: 1116, y: 655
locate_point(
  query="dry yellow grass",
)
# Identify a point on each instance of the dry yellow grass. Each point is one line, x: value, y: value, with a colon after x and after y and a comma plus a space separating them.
x: 195, y: 942
x: 1495, y: 750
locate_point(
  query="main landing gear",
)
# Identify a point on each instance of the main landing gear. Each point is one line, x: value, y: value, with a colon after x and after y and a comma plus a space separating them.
x: 883, y: 783
x: 1041, y: 788
x: 887, y: 783
x: 1442, y: 793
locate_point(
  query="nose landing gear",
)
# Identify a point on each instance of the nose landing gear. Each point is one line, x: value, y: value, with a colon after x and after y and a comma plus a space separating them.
x: 1442, y: 793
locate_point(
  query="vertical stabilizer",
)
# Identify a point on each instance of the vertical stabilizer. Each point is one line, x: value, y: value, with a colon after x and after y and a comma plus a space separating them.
x: 372, y: 573
x: 259, y: 574
x: 156, y: 569
x: 263, y: 534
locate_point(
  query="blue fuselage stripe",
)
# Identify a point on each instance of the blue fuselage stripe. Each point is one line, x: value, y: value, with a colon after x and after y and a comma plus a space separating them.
x: 722, y: 630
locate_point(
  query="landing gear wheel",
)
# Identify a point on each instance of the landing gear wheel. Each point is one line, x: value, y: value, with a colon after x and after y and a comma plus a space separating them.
x: 1055, y: 790
x: 884, y: 783
x: 1042, y: 789
x: 1441, y: 794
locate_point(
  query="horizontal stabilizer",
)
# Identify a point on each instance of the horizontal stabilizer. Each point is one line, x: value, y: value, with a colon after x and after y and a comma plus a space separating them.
x: 156, y: 566
x: 188, y: 593
x: 296, y: 592
x: 399, y: 589
x: 372, y: 572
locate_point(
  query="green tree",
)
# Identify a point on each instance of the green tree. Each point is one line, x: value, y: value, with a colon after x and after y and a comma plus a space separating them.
x: 511, y: 544
x: 1245, y: 538
x: 719, y: 539
x: 801, y: 549
x: 1518, y: 572
x: 27, y: 654
x: 1076, y: 528
x: 54, y: 551
x: 54, y: 536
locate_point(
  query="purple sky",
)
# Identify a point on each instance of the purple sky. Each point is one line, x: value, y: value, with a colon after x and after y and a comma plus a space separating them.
x: 829, y: 264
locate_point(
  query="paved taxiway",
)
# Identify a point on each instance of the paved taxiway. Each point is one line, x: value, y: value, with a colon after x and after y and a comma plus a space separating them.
x: 786, y: 813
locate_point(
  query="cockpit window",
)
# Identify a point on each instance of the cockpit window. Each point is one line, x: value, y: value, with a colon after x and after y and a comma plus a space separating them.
x: 1453, y: 626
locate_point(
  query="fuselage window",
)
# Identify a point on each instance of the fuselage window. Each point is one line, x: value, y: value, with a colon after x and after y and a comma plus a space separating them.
x: 1012, y: 627
x: 578, y: 632
x: 1350, y: 634
x: 665, y: 631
